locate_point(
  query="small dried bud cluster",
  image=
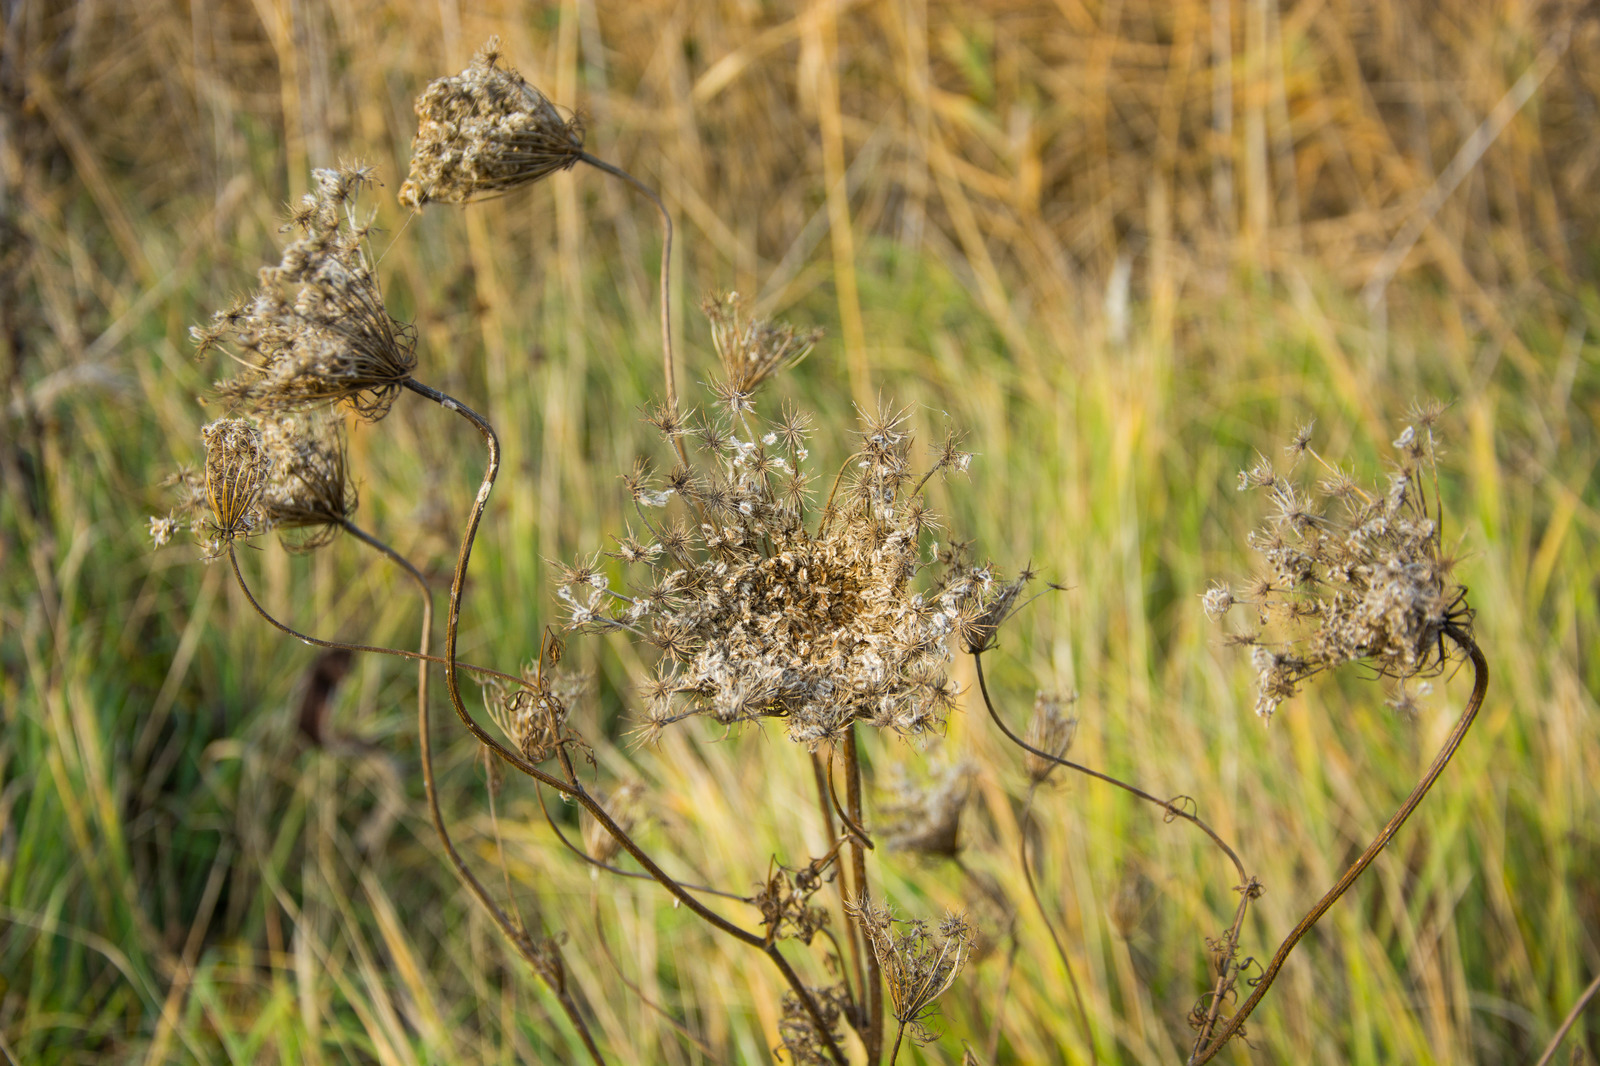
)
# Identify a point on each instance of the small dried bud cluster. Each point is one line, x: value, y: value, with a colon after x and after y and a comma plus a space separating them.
x: 485, y: 131
x: 316, y: 331
x: 534, y: 715
x: 752, y: 350
x: 918, y: 966
x: 785, y: 904
x: 802, y: 1042
x: 1371, y: 585
x: 760, y: 616
x: 1050, y: 730
x: 927, y: 819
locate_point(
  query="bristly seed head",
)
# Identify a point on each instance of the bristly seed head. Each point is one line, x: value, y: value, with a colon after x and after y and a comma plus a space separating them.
x: 1050, y: 730
x: 1372, y: 586
x: 236, y: 470
x: 316, y: 331
x: 483, y: 132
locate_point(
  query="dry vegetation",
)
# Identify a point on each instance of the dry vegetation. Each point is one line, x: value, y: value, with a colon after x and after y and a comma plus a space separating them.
x: 1122, y: 247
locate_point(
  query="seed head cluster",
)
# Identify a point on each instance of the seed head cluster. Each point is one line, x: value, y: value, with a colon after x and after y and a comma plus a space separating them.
x: 1371, y: 583
x: 918, y: 965
x: 762, y: 615
x: 485, y: 131
x: 316, y: 330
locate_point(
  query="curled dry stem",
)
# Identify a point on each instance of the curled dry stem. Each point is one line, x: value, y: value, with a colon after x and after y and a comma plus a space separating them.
x: 1172, y: 807
x: 1207, y: 1045
x: 570, y: 786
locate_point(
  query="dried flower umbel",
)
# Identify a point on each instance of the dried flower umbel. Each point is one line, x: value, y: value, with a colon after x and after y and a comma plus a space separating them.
x: 317, y: 330
x: 236, y: 469
x: 760, y: 615
x: 309, y: 488
x: 1371, y: 583
x: 485, y: 131
x: 918, y: 966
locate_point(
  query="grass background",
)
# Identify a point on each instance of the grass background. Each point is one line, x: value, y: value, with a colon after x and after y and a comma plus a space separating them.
x: 1124, y: 245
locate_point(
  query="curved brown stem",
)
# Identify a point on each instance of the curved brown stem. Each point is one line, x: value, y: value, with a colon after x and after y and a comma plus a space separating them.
x: 511, y: 930
x: 668, y: 367
x: 1171, y: 806
x: 1061, y: 950
x: 1203, y: 1051
x: 571, y: 787
x: 1567, y: 1024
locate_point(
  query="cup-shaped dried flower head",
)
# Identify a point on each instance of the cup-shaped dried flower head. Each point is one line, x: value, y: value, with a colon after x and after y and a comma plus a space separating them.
x: 1352, y: 574
x: 764, y: 609
x: 918, y: 966
x: 308, y: 487
x: 534, y: 714
x: 236, y: 471
x: 485, y: 131
x: 625, y: 806
x: 926, y: 818
x: 316, y: 331
x: 1050, y: 730
x: 751, y: 350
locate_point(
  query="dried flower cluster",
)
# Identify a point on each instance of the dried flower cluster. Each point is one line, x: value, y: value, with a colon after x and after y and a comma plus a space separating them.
x: 926, y: 818
x: 785, y: 903
x: 283, y: 474
x: 918, y: 965
x: 1371, y: 585
x: 751, y: 350
x: 316, y: 331
x: 1050, y: 730
x: 802, y: 1042
x: 485, y: 131
x: 760, y: 616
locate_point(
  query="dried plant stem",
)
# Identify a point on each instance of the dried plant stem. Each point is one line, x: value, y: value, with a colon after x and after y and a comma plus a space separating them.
x: 1171, y: 806
x: 1228, y: 974
x: 824, y: 782
x: 1567, y: 1023
x: 570, y: 786
x: 1044, y: 916
x: 669, y: 368
x: 899, y: 1034
x: 1203, y: 1051
x: 873, y: 1037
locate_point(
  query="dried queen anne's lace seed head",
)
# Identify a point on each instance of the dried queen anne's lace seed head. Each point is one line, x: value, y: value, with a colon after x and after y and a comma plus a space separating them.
x: 918, y: 966
x: 1050, y: 730
x: 760, y: 613
x: 926, y: 819
x: 236, y: 470
x: 1369, y: 584
x: 308, y: 488
x: 485, y: 131
x: 316, y: 331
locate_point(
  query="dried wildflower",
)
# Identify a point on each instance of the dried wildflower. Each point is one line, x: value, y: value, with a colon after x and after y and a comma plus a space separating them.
x: 308, y: 487
x: 1217, y: 600
x: 785, y: 904
x: 798, y: 1030
x: 1373, y: 585
x: 625, y: 807
x: 534, y: 714
x: 236, y: 470
x: 751, y: 350
x: 316, y: 331
x: 927, y: 818
x: 759, y: 615
x: 483, y: 132
x: 1050, y: 730
x: 918, y: 966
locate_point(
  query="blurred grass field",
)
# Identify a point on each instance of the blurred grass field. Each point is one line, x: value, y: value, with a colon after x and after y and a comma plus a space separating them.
x: 1124, y: 246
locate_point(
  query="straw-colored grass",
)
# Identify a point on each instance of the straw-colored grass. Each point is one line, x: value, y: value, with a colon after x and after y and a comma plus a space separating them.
x: 1124, y: 246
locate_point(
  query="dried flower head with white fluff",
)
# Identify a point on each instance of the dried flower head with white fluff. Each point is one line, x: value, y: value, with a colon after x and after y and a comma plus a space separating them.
x: 1370, y: 584
x: 484, y: 131
x: 316, y: 331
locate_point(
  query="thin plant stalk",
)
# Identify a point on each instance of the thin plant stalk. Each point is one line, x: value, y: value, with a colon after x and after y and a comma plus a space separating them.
x: 1567, y: 1023
x: 1044, y: 916
x: 1204, y: 1051
x: 669, y: 368
x: 873, y: 1037
x: 824, y: 783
